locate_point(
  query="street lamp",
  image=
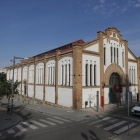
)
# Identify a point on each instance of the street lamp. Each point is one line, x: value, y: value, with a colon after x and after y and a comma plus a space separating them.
x: 13, y: 81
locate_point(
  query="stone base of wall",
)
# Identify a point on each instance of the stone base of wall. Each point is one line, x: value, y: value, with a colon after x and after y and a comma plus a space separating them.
x: 29, y: 100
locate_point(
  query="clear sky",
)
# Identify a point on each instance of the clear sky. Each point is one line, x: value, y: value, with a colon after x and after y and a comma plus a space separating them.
x: 29, y: 27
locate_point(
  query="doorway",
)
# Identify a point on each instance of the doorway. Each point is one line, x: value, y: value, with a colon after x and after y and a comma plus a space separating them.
x: 114, y: 80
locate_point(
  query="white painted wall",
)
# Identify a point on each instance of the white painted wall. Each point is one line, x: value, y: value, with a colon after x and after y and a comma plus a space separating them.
x: 115, y: 44
x: 130, y: 56
x: 30, y: 90
x: 50, y: 94
x: 11, y: 74
x: 15, y: 75
x: 67, y: 60
x: 106, y: 95
x: 89, y: 58
x: 39, y: 92
x: 94, y: 48
x: 65, y: 97
x: 134, y: 90
x: 90, y: 92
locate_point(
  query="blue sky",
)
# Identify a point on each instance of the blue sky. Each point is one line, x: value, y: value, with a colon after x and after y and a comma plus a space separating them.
x: 29, y: 27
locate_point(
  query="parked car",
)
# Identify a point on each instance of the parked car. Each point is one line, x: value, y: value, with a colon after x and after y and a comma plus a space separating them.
x: 136, y: 110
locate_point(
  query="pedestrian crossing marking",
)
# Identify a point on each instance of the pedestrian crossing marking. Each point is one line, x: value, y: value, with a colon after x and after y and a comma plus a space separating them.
x: 62, y: 119
x: 10, y: 131
x: 48, y: 122
x: 55, y: 120
x: 29, y: 125
x: 21, y: 128
x: 98, y: 126
x: 124, y: 128
x: 115, y: 125
x: 38, y: 123
x: 100, y: 120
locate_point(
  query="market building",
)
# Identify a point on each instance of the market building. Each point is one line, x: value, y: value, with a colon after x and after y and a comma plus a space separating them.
x: 71, y: 75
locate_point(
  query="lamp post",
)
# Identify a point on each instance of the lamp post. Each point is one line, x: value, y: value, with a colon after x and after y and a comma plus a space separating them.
x: 13, y: 82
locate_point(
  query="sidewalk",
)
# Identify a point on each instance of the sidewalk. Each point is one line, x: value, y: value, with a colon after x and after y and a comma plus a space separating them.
x: 109, y: 108
x: 50, y: 110
x: 7, y: 121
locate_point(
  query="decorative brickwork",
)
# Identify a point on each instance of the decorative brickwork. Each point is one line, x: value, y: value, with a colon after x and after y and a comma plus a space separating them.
x: 117, y: 69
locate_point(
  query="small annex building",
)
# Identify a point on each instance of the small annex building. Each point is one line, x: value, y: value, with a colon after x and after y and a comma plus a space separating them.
x: 71, y: 74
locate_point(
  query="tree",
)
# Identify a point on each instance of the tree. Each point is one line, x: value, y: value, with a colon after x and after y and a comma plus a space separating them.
x: 2, y: 77
x: 6, y: 89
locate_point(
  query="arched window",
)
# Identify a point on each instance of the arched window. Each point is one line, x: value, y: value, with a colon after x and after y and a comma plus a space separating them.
x: 25, y: 73
x: 40, y: 73
x: 15, y: 75
x: 19, y: 74
x: 31, y: 74
x: 50, y: 72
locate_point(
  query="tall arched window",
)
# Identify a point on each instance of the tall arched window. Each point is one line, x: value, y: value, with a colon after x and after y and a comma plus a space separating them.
x: 40, y: 73
x: 15, y: 75
x: 8, y: 74
x: 50, y: 72
x: 31, y: 74
x: 25, y: 73
x: 19, y: 74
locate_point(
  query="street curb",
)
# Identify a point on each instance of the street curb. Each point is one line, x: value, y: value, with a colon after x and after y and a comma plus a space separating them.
x: 13, y: 125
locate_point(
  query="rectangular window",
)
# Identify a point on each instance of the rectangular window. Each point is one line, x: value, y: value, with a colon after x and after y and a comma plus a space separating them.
x: 134, y: 77
x: 130, y: 76
x: 111, y: 55
x: 117, y: 56
x: 69, y: 74
x: 65, y: 75
x: 53, y: 75
x: 104, y: 56
x: 86, y: 67
x: 114, y: 55
x: 123, y: 59
x: 48, y: 75
x: 94, y: 74
x: 62, y: 74
x: 90, y: 74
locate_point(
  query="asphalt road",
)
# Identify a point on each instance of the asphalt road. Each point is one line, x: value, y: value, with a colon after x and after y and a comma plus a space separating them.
x: 38, y: 126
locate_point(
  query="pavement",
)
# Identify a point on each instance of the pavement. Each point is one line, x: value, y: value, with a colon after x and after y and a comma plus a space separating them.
x: 73, y: 115
x: 7, y: 121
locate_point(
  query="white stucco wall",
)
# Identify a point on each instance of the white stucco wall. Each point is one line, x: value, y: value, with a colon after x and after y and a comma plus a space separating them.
x: 106, y: 95
x: 89, y: 58
x: 115, y: 44
x: 86, y: 93
x: 19, y: 74
x: 39, y: 92
x: 65, y: 59
x: 30, y: 90
x: 134, y: 90
x: 65, y: 97
x: 8, y: 72
x: 50, y: 94
x: 130, y: 56
x: 94, y: 48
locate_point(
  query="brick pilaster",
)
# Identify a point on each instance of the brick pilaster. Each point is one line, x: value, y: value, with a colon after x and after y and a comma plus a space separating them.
x: 27, y: 77
x: 77, y: 77
x: 35, y: 77
x: 56, y: 75
x: 101, y: 51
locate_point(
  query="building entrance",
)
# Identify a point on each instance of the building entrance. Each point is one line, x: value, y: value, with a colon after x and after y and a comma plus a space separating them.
x: 114, y: 80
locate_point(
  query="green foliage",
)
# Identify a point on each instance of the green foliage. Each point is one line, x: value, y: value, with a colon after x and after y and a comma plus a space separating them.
x: 2, y: 77
x: 6, y: 88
